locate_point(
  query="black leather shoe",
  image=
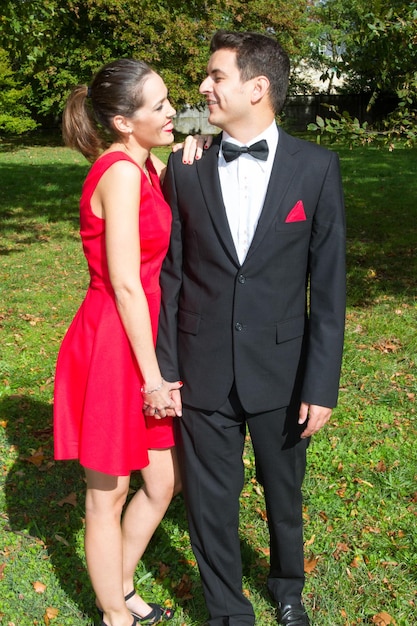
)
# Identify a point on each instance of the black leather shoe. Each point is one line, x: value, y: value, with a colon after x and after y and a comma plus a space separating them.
x: 292, y: 615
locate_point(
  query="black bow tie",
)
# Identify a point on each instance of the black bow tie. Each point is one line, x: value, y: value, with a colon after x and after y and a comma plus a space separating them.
x: 231, y: 151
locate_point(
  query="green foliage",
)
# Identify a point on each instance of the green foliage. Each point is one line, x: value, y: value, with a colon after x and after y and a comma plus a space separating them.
x: 373, y: 47
x: 399, y: 127
x: 14, y: 116
x: 55, y: 44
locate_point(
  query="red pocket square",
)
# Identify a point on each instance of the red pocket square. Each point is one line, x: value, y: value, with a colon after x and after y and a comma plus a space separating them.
x: 297, y: 213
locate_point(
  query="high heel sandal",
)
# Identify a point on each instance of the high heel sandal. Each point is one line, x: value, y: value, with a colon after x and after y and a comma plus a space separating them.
x: 157, y: 615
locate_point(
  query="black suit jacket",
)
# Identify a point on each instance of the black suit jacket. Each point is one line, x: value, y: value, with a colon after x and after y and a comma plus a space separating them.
x: 274, y: 324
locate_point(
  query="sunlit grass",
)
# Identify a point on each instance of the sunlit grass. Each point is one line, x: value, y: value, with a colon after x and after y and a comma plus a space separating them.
x: 360, y: 491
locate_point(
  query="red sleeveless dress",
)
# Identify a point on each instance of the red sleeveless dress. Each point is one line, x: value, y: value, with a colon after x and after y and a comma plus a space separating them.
x: 98, y: 416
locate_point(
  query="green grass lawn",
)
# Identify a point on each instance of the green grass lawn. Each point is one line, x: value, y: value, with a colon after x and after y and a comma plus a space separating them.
x: 360, y: 490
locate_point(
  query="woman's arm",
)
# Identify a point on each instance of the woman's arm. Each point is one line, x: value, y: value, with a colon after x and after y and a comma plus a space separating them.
x: 119, y: 192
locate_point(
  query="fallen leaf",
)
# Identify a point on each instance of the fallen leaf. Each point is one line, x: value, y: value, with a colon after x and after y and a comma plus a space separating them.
x: 387, y: 345
x: 2, y: 568
x: 183, y: 589
x: 341, y: 547
x: 70, y: 499
x: 168, y: 604
x: 363, y: 482
x: 191, y: 562
x: 246, y: 593
x: 39, y: 587
x: 32, y: 319
x: 341, y: 492
x: 163, y: 570
x: 372, y: 529
x: 50, y: 613
x: 310, y: 564
x: 262, y: 514
x: 36, y: 458
x: 383, y: 619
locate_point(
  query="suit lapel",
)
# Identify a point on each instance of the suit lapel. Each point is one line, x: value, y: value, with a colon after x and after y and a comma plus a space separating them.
x: 208, y: 174
x: 283, y: 171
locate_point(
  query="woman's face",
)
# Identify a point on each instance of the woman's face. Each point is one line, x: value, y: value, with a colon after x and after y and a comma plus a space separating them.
x: 152, y: 122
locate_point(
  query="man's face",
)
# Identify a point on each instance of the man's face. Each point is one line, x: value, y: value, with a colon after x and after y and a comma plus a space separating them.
x: 228, y: 98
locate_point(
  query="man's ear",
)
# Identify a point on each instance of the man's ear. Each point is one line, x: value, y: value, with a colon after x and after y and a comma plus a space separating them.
x: 122, y: 125
x: 260, y: 88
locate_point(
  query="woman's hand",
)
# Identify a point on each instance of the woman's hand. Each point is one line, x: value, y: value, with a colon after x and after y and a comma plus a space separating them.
x: 164, y: 401
x: 193, y: 147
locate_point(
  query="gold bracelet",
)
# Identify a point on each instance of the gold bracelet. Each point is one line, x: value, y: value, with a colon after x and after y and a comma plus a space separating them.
x: 147, y: 391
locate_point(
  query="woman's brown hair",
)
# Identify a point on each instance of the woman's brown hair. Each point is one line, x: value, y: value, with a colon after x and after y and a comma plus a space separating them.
x: 116, y: 89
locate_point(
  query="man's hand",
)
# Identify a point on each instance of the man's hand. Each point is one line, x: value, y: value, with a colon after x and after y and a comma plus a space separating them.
x: 317, y: 417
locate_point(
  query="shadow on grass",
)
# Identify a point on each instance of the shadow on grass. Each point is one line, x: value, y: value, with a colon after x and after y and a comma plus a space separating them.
x: 380, y: 188
x: 39, y: 204
x: 45, y: 502
x: 52, y: 137
x: 36, y: 488
x: 33, y: 190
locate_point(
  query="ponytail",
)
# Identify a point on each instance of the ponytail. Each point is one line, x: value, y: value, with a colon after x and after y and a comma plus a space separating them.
x: 79, y: 128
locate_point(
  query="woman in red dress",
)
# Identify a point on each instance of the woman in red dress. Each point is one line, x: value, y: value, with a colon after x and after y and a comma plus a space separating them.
x: 107, y: 373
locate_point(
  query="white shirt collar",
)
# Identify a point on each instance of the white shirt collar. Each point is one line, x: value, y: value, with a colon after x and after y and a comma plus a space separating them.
x: 270, y: 134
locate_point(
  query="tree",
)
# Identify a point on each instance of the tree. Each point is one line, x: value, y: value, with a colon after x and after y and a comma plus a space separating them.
x: 372, y: 44
x: 14, y: 115
x: 54, y: 44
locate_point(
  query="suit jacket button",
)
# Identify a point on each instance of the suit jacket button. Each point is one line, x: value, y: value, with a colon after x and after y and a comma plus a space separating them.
x: 238, y: 326
x: 241, y: 279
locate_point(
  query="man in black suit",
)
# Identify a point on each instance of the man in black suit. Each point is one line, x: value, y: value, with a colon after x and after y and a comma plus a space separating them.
x: 252, y: 319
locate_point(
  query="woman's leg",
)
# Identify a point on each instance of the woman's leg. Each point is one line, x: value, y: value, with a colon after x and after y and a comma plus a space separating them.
x: 144, y: 513
x: 105, y: 498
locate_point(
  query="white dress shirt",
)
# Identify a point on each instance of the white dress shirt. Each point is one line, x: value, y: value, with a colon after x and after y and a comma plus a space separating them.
x: 244, y: 182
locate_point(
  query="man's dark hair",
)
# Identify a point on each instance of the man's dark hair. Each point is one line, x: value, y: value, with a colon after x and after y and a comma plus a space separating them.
x: 258, y: 55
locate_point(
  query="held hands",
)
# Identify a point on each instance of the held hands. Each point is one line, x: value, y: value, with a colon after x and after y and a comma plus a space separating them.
x: 193, y: 147
x: 163, y: 401
x: 317, y: 417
